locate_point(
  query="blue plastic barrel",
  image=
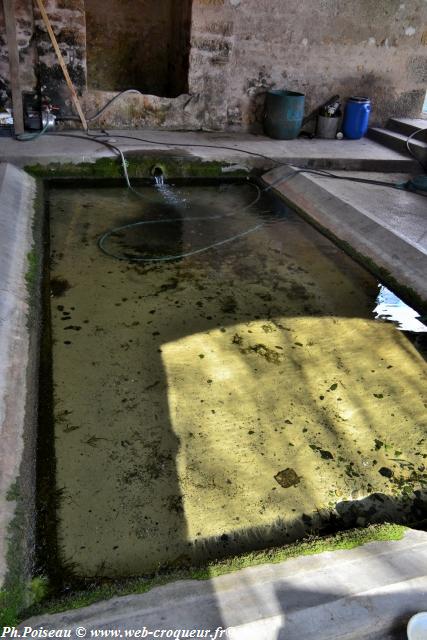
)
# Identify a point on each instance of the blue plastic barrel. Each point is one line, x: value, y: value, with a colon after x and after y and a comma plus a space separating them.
x: 356, y: 117
x: 284, y: 112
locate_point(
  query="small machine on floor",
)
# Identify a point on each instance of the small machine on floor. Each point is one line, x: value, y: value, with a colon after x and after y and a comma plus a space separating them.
x: 38, y: 112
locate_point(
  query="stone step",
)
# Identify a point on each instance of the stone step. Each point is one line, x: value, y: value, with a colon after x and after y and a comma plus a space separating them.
x: 407, y: 126
x: 397, y: 142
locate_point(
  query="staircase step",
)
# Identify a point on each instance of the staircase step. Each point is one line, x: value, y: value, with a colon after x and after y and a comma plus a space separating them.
x: 397, y: 141
x: 407, y: 126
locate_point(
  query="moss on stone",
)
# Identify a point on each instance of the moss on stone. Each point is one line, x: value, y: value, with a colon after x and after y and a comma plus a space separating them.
x: 32, y: 270
x: 15, y: 599
x: 20, y: 589
x: 15, y: 595
x: 12, y: 595
x: 342, y: 541
x: 138, y: 166
x: 102, y: 168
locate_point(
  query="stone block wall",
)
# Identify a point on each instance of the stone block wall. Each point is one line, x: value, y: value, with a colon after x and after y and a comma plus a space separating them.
x: 238, y: 50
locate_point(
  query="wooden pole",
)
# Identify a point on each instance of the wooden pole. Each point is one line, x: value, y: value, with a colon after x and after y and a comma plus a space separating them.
x: 62, y: 64
x: 15, y: 85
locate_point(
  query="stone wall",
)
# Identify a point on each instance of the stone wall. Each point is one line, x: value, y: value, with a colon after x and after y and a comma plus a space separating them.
x: 322, y: 47
x: 239, y: 49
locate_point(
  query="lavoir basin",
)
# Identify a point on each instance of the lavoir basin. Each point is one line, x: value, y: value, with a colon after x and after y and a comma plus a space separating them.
x: 221, y: 381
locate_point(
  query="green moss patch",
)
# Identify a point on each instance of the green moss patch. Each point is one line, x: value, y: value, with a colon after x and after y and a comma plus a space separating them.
x: 342, y: 541
x: 32, y: 270
x: 18, y: 592
x: 138, y: 166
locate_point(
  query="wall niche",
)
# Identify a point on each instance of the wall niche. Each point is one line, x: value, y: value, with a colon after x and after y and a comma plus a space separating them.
x: 138, y: 44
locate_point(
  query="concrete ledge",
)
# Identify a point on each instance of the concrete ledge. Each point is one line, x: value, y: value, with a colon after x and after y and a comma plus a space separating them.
x: 77, y: 148
x: 385, y: 228
x: 368, y: 592
x: 17, y: 193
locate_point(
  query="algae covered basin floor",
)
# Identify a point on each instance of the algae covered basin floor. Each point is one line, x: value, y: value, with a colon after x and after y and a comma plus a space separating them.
x: 228, y: 400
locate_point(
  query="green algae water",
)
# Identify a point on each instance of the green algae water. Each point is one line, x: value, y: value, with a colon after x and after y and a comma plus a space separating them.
x: 232, y: 399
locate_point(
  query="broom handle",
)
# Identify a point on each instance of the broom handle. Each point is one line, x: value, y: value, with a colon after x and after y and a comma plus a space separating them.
x: 62, y: 63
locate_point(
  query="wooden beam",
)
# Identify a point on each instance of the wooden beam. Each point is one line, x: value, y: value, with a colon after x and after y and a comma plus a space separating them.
x: 62, y: 64
x: 13, y: 51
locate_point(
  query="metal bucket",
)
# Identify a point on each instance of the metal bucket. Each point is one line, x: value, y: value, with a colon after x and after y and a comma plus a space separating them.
x: 327, y: 127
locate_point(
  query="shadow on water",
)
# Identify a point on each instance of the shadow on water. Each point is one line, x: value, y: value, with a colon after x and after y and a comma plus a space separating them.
x: 237, y: 399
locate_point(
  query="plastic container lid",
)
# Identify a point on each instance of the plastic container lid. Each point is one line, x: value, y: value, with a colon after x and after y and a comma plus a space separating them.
x: 417, y: 626
x: 360, y: 99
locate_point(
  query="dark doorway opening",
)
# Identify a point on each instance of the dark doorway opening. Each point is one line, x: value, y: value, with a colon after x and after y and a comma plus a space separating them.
x: 142, y: 44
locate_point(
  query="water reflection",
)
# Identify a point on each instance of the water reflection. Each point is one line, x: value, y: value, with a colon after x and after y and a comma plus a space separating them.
x: 391, y: 309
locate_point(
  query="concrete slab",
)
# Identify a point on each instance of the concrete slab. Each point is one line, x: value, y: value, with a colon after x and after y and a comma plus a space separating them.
x: 368, y: 592
x: 344, y: 154
x: 16, y: 206
x: 387, y: 226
